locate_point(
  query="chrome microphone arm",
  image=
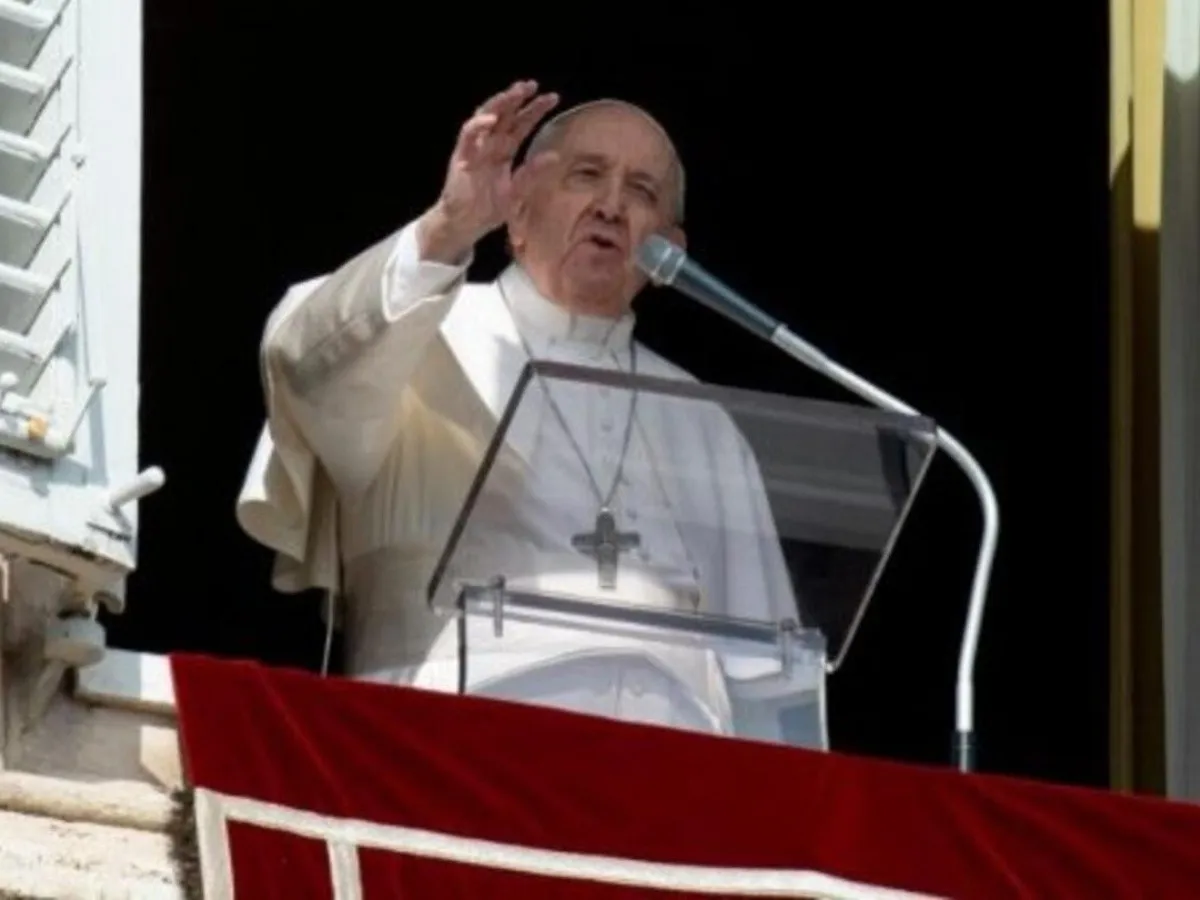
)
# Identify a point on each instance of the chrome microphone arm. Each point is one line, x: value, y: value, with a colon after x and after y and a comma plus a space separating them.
x: 667, y: 264
x: 964, y: 707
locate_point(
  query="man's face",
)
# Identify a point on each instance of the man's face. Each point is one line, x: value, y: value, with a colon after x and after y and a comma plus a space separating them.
x: 577, y: 227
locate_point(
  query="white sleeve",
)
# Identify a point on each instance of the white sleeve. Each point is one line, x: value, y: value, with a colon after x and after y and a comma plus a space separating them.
x: 338, y: 352
x: 410, y: 278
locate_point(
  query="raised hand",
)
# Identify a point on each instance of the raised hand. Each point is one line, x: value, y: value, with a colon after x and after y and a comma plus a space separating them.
x: 480, y: 179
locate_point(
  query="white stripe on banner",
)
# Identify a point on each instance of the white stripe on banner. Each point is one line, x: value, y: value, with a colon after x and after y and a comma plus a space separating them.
x: 212, y: 839
x: 343, y: 836
x: 343, y: 867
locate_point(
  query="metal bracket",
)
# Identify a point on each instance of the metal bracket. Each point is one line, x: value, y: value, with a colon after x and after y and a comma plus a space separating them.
x: 110, y: 518
x: 788, y: 628
x: 495, y: 591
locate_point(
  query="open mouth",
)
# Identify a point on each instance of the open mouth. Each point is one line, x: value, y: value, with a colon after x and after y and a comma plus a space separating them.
x: 599, y: 240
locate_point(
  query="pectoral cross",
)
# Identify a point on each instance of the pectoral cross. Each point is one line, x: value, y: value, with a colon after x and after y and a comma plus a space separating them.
x: 606, y: 544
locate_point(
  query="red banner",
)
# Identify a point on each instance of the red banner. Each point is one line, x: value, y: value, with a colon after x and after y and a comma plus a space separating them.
x: 327, y: 788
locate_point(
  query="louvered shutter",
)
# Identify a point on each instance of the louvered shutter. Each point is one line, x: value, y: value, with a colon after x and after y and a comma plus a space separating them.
x: 70, y: 185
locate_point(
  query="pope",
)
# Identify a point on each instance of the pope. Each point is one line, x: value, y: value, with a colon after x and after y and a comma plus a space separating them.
x: 385, y: 381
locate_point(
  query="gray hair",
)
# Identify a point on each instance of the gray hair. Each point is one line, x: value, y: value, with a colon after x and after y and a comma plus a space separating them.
x: 551, y: 132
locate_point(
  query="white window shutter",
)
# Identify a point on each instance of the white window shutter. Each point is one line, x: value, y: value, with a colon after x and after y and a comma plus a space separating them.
x: 70, y: 198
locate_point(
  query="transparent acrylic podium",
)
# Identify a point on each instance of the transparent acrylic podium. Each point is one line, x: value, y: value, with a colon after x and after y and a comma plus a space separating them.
x: 703, y: 563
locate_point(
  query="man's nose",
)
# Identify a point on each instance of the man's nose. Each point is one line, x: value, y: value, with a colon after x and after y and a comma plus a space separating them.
x: 610, y: 202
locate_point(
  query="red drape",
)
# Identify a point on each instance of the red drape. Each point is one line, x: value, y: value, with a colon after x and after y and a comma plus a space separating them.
x: 527, y: 777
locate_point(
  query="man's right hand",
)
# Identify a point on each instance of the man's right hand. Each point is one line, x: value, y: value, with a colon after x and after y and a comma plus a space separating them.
x: 478, y: 192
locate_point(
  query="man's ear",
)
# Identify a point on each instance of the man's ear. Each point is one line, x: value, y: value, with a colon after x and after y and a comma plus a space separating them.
x: 517, y: 214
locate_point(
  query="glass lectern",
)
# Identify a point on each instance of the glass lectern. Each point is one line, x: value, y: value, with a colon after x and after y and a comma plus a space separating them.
x: 727, y: 541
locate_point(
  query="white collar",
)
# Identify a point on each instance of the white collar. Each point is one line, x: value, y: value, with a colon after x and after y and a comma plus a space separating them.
x: 539, y: 317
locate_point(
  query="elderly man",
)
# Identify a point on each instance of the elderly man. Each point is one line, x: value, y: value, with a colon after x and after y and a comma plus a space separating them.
x: 384, y: 383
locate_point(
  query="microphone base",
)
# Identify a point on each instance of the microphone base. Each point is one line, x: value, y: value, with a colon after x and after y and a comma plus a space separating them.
x: 963, y: 754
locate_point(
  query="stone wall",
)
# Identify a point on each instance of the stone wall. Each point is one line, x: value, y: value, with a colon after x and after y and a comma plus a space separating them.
x: 86, y: 795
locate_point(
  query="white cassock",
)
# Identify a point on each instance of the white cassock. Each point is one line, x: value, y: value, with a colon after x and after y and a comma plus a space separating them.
x: 384, y: 384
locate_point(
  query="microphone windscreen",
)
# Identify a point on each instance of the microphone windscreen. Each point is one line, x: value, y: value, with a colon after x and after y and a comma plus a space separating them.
x: 660, y: 259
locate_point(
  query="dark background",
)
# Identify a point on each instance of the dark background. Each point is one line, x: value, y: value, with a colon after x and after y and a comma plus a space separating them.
x: 922, y: 195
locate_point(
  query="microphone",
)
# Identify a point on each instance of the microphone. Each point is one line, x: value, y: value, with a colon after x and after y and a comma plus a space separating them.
x: 666, y: 263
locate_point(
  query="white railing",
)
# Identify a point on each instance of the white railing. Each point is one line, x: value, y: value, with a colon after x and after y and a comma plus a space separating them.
x: 343, y: 837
